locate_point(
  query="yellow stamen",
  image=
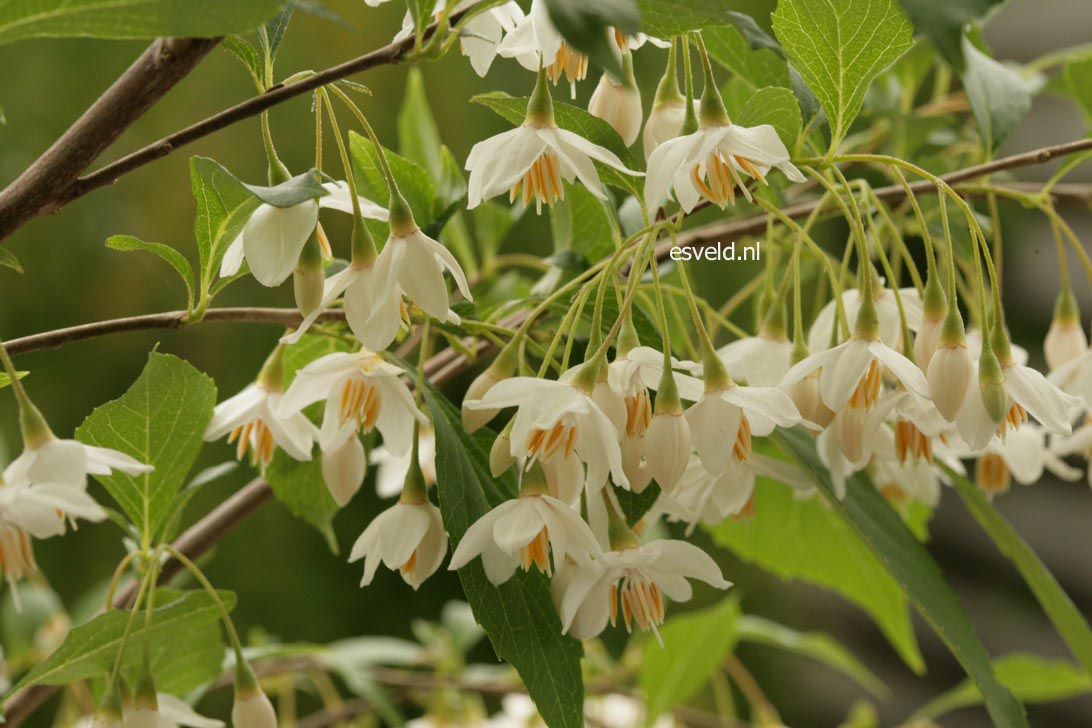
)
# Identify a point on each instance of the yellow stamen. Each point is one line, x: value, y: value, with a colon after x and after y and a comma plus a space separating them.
x: 537, y: 552
x: 868, y: 389
x: 1016, y: 416
x: 722, y: 176
x: 541, y: 183
x: 991, y: 474
x: 570, y: 62
x: 742, y: 448
x: 911, y: 443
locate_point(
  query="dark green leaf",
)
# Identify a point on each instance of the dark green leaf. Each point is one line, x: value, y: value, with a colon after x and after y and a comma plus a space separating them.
x: 576, y: 120
x: 759, y: 67
x: 248, y: 55
x: 414, y: 182
x: 301, y: 487
x: 907, y: 560
x: 132, y: 18
x: 173, y: 258
x: 943, y: 22
x: 159, y: 421
x: 418, y: 137
x: 1078, y: 78
x: 1000, y: 98
x: 667, y: 18
x: 1065, y: 615
x: 89, y: 650
x: 695, y: 645
x: 1031, y: 678
x: 636, y: 505
x: 776, y: 107
x: 223, y: 207
x: 276, y: 28
x: 816, y: 645
x: 8, y: 260
x: 301, y: 188
x: 839, y: 47
x: 585, y: 26
x: 518, y: 616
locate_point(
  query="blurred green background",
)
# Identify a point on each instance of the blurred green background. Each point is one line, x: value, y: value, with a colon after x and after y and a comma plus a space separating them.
x: 288, y: 582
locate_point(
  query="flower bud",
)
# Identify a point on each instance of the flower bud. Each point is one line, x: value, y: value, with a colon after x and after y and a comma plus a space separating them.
x: 991, y: 383
x: 637, y: 473
x: 109, y: 713
x: 934, y: 311
x: 619, y: 106
x: 808, y: 400
x: 667, y: 448
x: 1065, y: 341
x: 500, y: 455
x: 664, y: 123
x: 849, y: 431
x: 307, y: 279
x: 613, y: 405
x: 252, y: 708
x: 343, y: 469
x: 949, y: 373
x: 143, y: 711
x: 503, y: 367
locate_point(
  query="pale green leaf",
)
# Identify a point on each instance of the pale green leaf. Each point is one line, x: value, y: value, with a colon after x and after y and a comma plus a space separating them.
x: 418, y: 136
x: 1078, y: 77
x: 301, y: 188
x: 275, y: 29
x: 1033, y: 679
x: 777, y: 107
x: 1065, y: 615
x: 818, y: 646
x: 757, y: 67
x: 1000, y: 97
x: 576, y: 120
x: 695, y: 646
x: 165, y: 252
x: 247, y: 55
x: 906, y: 559
x: 592, y: 234
x: 89, y: 650
x: 223, y: 207
x: 8, y: 260
x: 414, y: 182
x: 159, y: 421
x: 839, y: 47
x: 667, y: 18
x: 518, y: 616
x: 131, y: 18
x: 943, y: 22
x: 5, y: 380
x: 803, y: 539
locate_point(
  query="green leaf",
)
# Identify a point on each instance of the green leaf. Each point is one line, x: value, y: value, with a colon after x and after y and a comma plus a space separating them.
x: 1065, y: 615
x: 1000, y: 97
x: 777, y: 107
x: 758, y: 67
x: 302, y: 489
x: 5, y: 380
x: 247, y: 55
x: 518, y: 616
x: 1033, y: 679
x: 816, y: 645
x: 943, y: 22
x: 301, y: 188
x: 173, y: 258
x: 803, y: 539
x: 576, y: 120
x: 8, y: 260
x: 89, y: 650
x: 131, y: 18
x: 907, y: 560
x: 188, y: 664
x: 839, y: 47
x: 667, y: 18
x: 159, y: 421
x: 276, y: 28
x: 421, y: 12
x: 585, y: 26
x: 591, y: 231
x: 1078, y: 78
x: 223, y: 207
x: 414, y: 182
x: 418, y: 136
x: 695, y: 644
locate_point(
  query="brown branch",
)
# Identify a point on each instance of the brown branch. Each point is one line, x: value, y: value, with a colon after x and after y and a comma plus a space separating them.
x: 42, y: 186
x: 195, y: 541
x: 51, y: 182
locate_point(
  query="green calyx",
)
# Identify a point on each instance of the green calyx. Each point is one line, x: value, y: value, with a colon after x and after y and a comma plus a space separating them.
x: 246, y: 682
x: 667, y: 395
x: 934, y: 302
x: 1066, y: 310
x: 271, y: 375
x: 991, y: 384
x: 110, y: 707
x: 618, y: 532
x: 667, y: 91
x: 775, y: 324
x: 1000, y: 342
x: 533, y: 481
x: 540, y: 108
x: 307, y: 278
x: 867, y: 326
x: 35, y: 429
x: 401, y: 216
x: 628, y: 340
x: 952, y: 332
x: 504, y: 366
x: 144, y: 695
x: 587, y: 375
x: 414, y: 491
x: 363, y: 244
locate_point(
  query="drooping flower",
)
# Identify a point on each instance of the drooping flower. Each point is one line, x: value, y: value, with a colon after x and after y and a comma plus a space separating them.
x: 536, y: 43
x: 343, y: 469
x: 273, y: 237
x: 533, y: 161
x: 887, y: 310
x: 760, y: 361
x: 362, y: 391
x: 1065, y: 341
x: 408, y: 537
x: 619, y: 104
x: 480, y: 35
x: 1023, y: 455
x: 524, y: 531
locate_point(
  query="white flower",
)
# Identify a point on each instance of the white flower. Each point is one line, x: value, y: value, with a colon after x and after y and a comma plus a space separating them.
x: 273, y: 237
x: 667, y: 450
x: 1065, y: 342
x: 253, y: 710
x: 665, y: 122
x: 1075, y: 376
x: 723, y: 422
x: 887, y: 310
x: 556, y: 418
x: 1023, y: 455
x: 254, y: 421
x: 615, y: 710
x: 170, y: 712
x: 761, y: 361
x: 535, y: 41
x: 522, y: 532
x: 394, y: 468
x: 638, y: 578
x: 712, y: 161
x: 951, y: 375
x: 1027, y: 392
x: 413, y: 265
x: 409, y: 537
x: 69, y: 462
x: 362, y: 391
x: 619, y: 105
x: 343, y: 469
x: 480, y: 35
x: 538, y: 159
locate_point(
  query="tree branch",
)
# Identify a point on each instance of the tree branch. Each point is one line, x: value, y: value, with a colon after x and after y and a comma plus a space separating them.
x: 52, y: 182
x: 42, y: 187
